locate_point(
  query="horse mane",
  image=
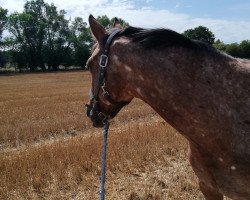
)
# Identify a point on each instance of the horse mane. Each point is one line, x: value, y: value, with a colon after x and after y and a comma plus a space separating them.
x: 163, y: 38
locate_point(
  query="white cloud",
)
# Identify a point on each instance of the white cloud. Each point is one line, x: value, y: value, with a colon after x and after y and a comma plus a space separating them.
x: 12, y: 5
x: 227, y: 31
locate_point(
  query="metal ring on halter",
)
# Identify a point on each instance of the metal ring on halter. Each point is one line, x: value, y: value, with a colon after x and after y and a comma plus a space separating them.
x: 103, y: 61
x: 102, y: 117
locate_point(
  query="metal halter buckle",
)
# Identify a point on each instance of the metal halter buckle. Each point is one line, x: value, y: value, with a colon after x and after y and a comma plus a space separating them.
x: 102, y: 117
x: 105, y: 92
x: 103, y: 61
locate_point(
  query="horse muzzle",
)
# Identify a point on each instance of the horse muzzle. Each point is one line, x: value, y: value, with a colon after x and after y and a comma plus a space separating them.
x: 97, y: 117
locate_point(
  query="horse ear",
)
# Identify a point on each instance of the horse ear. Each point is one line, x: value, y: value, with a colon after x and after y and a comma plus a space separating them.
x: 97, y: 29
x: 117, y: 24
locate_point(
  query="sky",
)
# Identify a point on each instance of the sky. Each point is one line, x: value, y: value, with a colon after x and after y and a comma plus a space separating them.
x: 229, y: 20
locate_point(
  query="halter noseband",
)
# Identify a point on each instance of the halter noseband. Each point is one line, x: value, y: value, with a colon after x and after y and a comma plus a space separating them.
x: 93, y: 110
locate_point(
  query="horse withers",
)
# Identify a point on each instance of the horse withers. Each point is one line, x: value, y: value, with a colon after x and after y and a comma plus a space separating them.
x: 203, y: 93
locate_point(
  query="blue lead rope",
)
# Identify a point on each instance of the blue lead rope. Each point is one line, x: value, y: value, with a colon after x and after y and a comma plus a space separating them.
x: 106, y: 127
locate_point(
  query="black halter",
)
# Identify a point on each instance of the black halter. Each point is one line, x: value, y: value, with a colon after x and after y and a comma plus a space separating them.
x: 94, y: 110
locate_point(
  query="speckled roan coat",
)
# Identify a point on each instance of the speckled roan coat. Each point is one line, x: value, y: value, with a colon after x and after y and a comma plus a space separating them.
x: 202, y: 93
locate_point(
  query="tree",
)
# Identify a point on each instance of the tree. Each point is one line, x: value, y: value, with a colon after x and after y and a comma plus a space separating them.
x: 34, y: 32
x: 57, y: 44
x: 106, y: 22
x: 245, y: 48
x: 41, y: 35
x: 27, y: 29
x: 3, y: 21
x: 3, y: 59
x: 81, y: 41
x: 234, y: 50
x: 220, y: 45
x: 241, y: 50
x: 200, y: 33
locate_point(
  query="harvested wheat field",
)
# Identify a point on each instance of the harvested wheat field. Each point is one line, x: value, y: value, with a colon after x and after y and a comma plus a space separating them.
x: 49, y: 150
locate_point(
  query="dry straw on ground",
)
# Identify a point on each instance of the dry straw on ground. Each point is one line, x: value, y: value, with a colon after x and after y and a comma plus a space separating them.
x: 49, y: 150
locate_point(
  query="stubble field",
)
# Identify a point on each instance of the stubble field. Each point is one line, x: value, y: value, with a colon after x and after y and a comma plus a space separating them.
x: 49, y: 149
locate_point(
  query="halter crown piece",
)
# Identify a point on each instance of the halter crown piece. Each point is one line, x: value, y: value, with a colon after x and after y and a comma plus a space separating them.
x: 94, y: 110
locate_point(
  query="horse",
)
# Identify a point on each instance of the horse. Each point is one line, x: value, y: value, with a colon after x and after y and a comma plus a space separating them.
x: 201, y: 92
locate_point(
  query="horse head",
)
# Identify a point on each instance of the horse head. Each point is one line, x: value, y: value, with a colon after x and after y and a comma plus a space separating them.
x: 108, y: 94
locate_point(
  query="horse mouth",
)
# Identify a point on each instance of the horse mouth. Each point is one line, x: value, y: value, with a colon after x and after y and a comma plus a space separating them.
x: 93, y: 115
x: 97, y: 123
x: 98, y: 118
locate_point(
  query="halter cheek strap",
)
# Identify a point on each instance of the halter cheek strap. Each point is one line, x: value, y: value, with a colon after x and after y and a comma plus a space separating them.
x: 91, y: 110
x: 104, y: 62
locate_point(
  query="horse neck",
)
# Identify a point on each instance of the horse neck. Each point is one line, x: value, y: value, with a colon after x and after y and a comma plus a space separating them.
x: 171, y: 82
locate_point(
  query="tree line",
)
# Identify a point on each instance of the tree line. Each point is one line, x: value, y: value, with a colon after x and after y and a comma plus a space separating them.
x: 241, y: 50
x: 42, y: 38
